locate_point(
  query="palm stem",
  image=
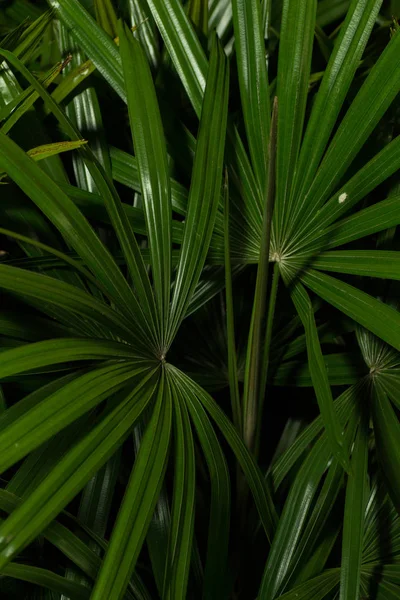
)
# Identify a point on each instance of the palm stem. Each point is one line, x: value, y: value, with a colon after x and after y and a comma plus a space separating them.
x: 267, y: 347
x: 230, y: 323
x: 254, y: 349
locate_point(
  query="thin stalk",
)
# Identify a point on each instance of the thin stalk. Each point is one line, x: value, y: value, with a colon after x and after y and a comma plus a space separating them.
x: 267, y: 347
x: 230, y: 322
x: 254, y: 347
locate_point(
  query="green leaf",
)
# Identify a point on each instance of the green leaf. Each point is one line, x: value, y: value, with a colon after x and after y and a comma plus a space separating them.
x: 145, y: 30
x: 216, y: 566
x: 125, y: 170
x: 84, y: 112
x: 296, y: 43
x: 14, y: 110
x: 14, y: 324
x: 183, y: 504
x: 63, y: 258
x: 375, y: 316
x: 354, y: 514
x: 315, y: 589
x: 256, y: 358
x: 71, y: 473
x: 230, y: 321
x: 220, y: 17
x: 374, y: 172
x: 105, y: 16
x: 384, y: 264
x: 69, y: 544
x: 198, y: 14
x: 68, y: 219
x: 95, y: 504
x: 292, y: 519
x: 254, y: 93
x: 71, y: 81
x: 38, y: 464
x: 48, y: 290
x: 348, y: 49
x: 310, y: 556
x: 342, y: 369
x: 377, y: 217
x: 389, y: 573
x: 53, y: 352
x: 61, y: 537
x: 21, y: 434
x: 204, y: 191
x: 117, y: 216
x: 47, y: 579
x: 387, y: 431
x: 386, y: 590
x: 139, y: 501
x: 32, y: 37
x: 151, y: 156
x: 247, y: 201
x: 183, y: 46
x: 257, y: 484
x: 93, y: 40
x: 370, y: 104
x: 319, y: 374
x: 158, y: 532
x: 41, y: 152
x: 330, y: 11
x: 343, y: 407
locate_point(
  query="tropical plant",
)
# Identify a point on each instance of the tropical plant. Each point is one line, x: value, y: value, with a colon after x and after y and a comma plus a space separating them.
x: 200, y: 335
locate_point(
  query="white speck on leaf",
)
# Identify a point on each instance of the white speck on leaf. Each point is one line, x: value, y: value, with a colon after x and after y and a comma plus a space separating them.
x: 342, y: 197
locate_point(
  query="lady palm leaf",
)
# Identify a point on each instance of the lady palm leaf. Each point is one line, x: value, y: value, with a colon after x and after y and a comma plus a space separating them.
x: 151, y: 155
x: 205, y: 187
x: 253, y: 84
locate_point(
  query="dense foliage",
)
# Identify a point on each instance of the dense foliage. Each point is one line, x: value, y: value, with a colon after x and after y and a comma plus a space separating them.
x: 199, y: 325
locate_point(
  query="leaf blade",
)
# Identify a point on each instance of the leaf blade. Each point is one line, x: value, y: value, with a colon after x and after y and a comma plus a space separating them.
x: 375, y: 316
x: 253, y: 82
x: 319, y: 374
x: 205, y: 187
x: 151, y: 155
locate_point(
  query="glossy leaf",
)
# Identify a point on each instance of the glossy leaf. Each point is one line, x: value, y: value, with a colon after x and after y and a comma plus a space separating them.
x: 72, y: 472
x: 252, y: 71
x: 205, y: 187
x: 348, y: 49
x: 183, y: 504
x: 296, y: 40
x: 370, y: 263
x: 319, y: 374
x: 375, y: 316
x: 151, y: 155
x: 370, y: 104
x: 47, y: 579
x: 21, y: 434
x: 216, y: 564
x: 183, y: 47
x: 293, y: 519
x: 139, y: 501
x: 93, y: 39
x: 387, y: 428
x: 48, y: 196
x: 258, y: 487
x: 354, y: 514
